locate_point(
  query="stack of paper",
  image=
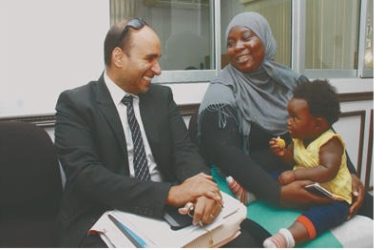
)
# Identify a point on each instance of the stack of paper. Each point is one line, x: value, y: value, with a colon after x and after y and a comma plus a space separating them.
x: 120, y: 229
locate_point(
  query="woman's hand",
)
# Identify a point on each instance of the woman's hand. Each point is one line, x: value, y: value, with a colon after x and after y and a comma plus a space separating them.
x: 358, y: 193
x: 294, y: 194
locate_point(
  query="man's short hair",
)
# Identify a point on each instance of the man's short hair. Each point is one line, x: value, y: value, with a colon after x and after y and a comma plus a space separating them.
x: 113, y: 39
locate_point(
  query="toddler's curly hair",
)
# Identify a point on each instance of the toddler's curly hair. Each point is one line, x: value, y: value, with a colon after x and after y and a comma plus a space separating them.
x: 321, y: 98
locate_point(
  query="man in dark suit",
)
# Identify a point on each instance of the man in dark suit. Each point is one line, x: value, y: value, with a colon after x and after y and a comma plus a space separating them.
x: 98, y: 147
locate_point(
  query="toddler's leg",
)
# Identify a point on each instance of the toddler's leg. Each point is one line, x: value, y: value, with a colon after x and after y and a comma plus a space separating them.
x: 298, y: 232
x: 314, y: 221
x: 282, y: 239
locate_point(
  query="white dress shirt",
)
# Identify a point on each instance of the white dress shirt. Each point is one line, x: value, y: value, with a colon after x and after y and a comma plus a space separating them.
x: 117, y: 95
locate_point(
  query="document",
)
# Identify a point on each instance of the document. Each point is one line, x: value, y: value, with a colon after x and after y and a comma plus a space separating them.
x: 121, y: 229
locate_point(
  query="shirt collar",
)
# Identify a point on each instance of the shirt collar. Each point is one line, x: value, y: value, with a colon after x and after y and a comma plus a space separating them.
x: 116, y: 92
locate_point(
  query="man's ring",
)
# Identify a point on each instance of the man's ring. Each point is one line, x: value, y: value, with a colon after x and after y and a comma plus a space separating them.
x: 190, y: 208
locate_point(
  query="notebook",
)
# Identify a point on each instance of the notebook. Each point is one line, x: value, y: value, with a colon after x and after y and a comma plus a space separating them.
x: 121, y: 229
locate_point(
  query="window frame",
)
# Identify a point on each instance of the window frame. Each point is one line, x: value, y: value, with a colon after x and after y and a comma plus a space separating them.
x: 362, y: 72
x: 299, y: 41
x: 205, y: 75
x: 298, y: 54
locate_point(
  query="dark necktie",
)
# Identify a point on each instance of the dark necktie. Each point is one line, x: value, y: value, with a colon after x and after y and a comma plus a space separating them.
x: 140, y: 160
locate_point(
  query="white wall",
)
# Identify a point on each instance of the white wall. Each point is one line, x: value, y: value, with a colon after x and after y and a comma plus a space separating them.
x: 47, y: 46
x: 193, y: 93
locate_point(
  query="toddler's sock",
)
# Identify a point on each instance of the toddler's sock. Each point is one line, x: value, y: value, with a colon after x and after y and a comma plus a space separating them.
x: 282, y: 239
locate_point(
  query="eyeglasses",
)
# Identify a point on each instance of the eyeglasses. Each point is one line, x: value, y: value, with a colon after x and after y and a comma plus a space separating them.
x: 136, y: 24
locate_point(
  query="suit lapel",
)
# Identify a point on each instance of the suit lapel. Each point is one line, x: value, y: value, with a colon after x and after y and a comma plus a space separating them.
x: 148, y: 113
x: 108, y: 109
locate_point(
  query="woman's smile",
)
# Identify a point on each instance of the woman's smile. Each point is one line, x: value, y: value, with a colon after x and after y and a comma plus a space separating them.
x: 243, y: 58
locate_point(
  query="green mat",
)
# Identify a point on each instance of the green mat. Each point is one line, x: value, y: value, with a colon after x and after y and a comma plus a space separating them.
x: 273, y: 218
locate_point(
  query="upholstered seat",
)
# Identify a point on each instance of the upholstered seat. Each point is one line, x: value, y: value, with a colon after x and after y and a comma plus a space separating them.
x: 30, y: 186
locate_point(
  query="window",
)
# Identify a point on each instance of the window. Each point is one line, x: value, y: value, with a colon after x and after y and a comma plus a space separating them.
x: 320, y: 38
x: 332, y: 32
x: 185, y: 30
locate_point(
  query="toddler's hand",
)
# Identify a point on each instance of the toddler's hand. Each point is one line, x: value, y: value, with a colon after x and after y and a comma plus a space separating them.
x: 278, y: 145
x: 286, y: 177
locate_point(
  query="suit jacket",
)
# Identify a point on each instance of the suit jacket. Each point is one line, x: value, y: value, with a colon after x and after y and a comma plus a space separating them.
x: 92, y: 150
